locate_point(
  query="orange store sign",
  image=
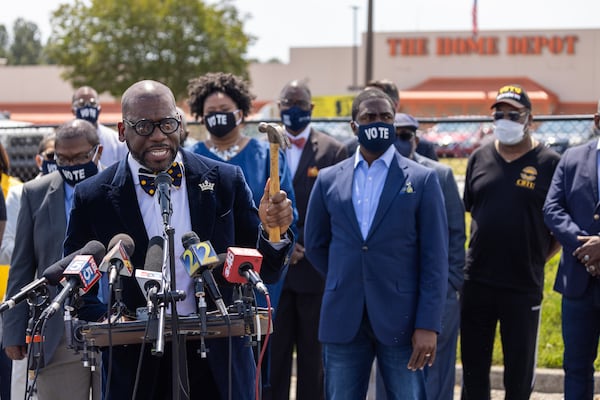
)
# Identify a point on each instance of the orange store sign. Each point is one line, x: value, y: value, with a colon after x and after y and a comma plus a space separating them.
x: 483, y: 45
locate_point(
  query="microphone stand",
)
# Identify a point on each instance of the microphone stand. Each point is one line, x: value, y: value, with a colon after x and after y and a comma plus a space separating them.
x: 201, y: 295
x: 180, y: 383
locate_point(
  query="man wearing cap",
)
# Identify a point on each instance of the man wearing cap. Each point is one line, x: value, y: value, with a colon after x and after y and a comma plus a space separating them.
x: 571, y: 212
x: 439, y: 378
x: 505, y: 187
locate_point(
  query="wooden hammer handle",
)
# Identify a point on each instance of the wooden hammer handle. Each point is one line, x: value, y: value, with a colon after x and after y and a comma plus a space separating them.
x: 274, y: 233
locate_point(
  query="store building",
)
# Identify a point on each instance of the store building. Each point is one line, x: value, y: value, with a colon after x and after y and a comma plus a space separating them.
x: 453, y: 73
x: 437, y: 73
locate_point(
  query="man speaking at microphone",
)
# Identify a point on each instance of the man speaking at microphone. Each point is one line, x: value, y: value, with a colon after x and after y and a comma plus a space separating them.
x: 41, y: 227
x: 207, y: 197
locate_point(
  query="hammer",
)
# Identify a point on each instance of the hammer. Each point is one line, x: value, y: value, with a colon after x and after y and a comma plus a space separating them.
x: 277, y: 138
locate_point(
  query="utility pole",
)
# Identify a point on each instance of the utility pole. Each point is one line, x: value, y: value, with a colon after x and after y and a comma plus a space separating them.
x: 369, y: 49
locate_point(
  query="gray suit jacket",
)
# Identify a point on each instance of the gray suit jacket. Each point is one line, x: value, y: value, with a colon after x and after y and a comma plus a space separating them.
x: 455, y: 211
x: 41, y: 228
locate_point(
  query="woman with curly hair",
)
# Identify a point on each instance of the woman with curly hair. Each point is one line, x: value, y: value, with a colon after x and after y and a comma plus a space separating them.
x: 221, y: 101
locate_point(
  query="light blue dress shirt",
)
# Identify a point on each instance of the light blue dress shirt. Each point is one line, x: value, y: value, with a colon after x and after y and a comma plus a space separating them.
x: 367, y: 186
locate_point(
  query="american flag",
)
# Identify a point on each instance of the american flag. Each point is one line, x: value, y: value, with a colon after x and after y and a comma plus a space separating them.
x: 474, y: 15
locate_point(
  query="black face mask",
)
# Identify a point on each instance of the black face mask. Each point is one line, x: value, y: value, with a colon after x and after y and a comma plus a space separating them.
x: 220, y: 124
x: 73, y: 174
x: 48, y: 166
x: 376, y: 137
x: 89, y: 113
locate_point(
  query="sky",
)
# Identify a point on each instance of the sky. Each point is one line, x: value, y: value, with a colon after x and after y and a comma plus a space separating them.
x: 281, y: 24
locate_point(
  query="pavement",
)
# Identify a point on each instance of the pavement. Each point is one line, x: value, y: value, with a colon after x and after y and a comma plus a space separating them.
x: 548, y: 384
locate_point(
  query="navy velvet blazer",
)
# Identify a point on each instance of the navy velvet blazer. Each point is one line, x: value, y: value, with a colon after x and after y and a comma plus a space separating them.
x: 106, y: 204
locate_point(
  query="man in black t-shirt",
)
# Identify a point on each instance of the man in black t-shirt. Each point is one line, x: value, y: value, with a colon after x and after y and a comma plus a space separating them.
x: 505, y: 187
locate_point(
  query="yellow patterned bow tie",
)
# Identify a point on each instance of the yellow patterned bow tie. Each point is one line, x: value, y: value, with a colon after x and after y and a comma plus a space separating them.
x: 147, y: 177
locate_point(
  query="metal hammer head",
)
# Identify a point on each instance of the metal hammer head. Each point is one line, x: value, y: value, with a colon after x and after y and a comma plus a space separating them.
x: 275, y: 134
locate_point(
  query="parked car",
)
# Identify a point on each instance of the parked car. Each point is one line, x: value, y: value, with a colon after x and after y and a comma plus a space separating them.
x: 560, y: 135
x: 458, y: 139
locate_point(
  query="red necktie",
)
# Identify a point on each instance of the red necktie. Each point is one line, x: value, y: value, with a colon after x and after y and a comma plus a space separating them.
x: 299, y: 142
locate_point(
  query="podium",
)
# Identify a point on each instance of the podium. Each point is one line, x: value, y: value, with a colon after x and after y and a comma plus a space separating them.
x: 96, y: 334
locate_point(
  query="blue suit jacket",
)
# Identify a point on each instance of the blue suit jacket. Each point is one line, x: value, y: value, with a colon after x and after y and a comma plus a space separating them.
x: 569, y: 210
x: 455, y: 211
x: 399, y: 273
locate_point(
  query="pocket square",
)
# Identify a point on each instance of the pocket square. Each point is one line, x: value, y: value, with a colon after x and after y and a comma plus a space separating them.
x: 407, y: 188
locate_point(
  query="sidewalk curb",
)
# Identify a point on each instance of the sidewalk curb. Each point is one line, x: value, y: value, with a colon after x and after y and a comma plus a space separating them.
x: 547, y: 380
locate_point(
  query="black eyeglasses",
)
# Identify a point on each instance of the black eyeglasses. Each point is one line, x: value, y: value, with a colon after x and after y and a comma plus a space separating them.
x: 303, y: 104
x: 77, y: 159
x: 404, y: 134
x: 512, y: 115
x: 145, y: 127
x: 47, y: 155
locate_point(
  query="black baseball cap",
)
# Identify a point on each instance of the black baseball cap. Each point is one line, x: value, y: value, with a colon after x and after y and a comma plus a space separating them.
x: 514, y: 95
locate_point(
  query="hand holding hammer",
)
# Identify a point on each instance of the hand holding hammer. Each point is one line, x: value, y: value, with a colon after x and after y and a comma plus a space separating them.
x: 277, y: 139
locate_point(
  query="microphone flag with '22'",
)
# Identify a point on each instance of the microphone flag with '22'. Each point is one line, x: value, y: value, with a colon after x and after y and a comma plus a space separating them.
x: 197, y: 258
x: 242, y: 265
x: 82, y: 273
x: 117, y: 260
x: 52, y: 275
x: 150, y: 278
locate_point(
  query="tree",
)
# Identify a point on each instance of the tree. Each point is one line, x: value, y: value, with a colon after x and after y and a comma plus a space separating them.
x: 3, y: 41
x: 26, y: 48
x: 111, y: 44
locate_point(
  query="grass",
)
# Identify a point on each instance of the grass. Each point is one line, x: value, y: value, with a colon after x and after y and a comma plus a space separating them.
x: 550, y: 344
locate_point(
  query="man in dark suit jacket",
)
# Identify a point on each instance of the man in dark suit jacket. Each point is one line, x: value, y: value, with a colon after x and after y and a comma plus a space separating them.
x: 297, y: 320
x: 376, y: 230
x: 440, y: 376
x: 571, y: 211
x: 41, y: 227
x: 213, y: 200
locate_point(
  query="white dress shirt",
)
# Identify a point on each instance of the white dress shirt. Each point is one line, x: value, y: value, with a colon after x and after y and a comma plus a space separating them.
x: 180, y: 220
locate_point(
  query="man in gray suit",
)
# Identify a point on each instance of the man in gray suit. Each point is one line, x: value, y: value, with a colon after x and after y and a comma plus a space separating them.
x: 41, y: 227
x: 439, y: 378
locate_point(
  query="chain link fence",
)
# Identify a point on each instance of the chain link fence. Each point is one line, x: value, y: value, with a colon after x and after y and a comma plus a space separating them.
x: 452, y: 136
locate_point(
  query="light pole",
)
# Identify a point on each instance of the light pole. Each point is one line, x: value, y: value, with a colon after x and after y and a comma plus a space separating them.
x: 369, y: 47
x: 355, y: 50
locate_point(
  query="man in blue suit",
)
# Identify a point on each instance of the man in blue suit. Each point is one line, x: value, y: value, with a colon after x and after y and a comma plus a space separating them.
x: 440, y: 376
x: 572, y: 212
x: 376, y: 230
x: 208, y: 197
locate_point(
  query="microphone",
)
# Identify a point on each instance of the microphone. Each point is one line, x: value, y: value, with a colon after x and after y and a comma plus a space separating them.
x: 197, y: 259
x: 51, y: 275
x: 82, y: 273
x: 150, y: 278
x: 243, y: 265
x: 163, y: 185
x: 116, y: 261
x: 22, y: 294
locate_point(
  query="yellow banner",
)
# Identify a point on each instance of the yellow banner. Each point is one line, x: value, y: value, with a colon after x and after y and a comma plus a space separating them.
x: 3, y: 280
x: 332, y: 106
